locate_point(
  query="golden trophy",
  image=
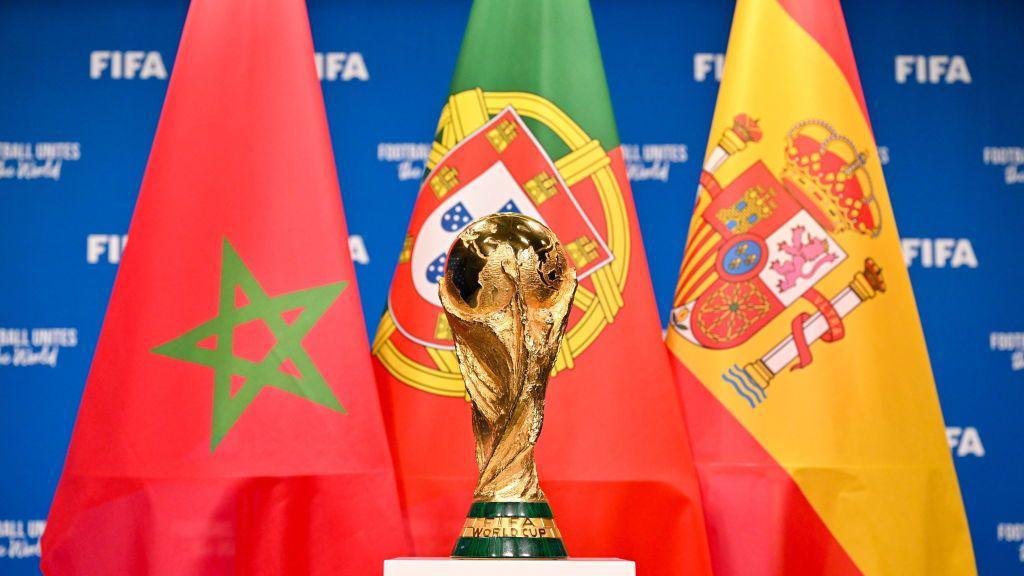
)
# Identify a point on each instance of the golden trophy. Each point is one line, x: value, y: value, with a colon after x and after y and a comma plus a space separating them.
x: 507, y: 291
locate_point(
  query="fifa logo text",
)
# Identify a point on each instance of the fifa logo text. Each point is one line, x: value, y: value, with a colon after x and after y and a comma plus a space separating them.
x: 126, y: 65
x: 933, y: 69
x: 708, y: 64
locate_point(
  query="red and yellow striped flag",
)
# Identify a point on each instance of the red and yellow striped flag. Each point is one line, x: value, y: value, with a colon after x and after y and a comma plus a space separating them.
x: 816, y: 427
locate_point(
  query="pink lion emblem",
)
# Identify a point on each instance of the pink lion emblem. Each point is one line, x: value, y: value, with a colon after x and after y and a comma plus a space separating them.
x: 814, y: 253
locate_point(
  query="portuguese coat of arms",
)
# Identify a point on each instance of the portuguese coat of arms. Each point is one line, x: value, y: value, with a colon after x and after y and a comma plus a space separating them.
x: 500, y: 168
x: 486, y: 160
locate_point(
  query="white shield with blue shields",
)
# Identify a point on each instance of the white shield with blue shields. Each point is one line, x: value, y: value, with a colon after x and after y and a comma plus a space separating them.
x: 493, y: 191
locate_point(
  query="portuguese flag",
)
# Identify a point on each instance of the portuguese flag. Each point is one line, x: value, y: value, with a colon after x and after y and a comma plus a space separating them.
x: 529, y: 128
x: 230, y: 423
x: 816, y: 426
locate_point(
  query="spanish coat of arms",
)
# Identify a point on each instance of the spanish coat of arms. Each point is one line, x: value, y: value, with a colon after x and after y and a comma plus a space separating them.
x: 763, y: 241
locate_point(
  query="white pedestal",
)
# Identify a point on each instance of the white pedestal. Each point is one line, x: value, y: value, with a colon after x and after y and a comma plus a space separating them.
x: 508, y: 567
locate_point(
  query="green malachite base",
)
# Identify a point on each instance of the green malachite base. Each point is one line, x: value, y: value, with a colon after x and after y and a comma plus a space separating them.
x: 473, y: 543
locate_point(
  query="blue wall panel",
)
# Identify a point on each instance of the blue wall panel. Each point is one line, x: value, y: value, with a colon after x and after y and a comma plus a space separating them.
x: 81, y: 86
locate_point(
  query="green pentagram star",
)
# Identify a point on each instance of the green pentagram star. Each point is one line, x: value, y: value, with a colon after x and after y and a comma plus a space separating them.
x: 311, y: 304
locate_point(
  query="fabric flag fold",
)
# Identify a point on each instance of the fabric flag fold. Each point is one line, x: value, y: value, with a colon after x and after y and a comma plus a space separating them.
x: 814, y: 419
x: 230, y: 422
x: 528, y: 128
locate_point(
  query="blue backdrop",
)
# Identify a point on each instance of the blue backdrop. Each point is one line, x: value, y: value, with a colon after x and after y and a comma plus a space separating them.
x: 82, y: 83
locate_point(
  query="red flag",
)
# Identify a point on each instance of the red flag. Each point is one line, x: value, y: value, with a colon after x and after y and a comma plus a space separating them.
x: 230, y: 422
x: 529, y: 128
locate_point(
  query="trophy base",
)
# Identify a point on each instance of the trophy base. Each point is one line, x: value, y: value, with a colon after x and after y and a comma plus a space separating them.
x: 508, y: 567
x: 509, y: 530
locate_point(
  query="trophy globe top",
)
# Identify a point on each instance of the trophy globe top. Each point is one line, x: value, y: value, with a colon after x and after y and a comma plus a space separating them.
x: 543, y: 268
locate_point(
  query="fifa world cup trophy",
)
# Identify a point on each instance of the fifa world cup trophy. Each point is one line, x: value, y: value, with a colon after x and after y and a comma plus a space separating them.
x: 507, y: 291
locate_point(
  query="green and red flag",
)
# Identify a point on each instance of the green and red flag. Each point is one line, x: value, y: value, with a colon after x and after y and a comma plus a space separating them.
x: 528, y: 128
x: 230, y: 422
x: 816, y: 426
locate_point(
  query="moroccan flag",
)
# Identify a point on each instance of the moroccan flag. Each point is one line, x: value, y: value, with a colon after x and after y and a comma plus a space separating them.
x: 230, y: 423
x: 529, y: 128
x: 812, y: 409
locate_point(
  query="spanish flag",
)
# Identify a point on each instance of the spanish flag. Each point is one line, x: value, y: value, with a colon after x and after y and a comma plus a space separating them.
x: 815, y: 424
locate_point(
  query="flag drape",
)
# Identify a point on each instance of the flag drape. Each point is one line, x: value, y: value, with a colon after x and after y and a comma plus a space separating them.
x: 529, y: 128
x: 230, y: 422
x: 815, y: 422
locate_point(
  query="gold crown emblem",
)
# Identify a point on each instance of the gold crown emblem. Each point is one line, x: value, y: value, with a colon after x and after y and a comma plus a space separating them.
x: 828, y: 171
